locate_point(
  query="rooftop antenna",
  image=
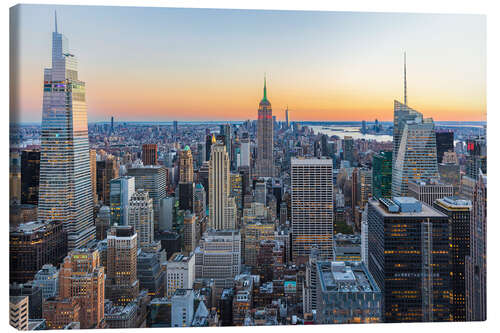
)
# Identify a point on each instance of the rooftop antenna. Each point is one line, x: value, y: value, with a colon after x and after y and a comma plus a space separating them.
x: 55, y: 19
x: 406, y: 101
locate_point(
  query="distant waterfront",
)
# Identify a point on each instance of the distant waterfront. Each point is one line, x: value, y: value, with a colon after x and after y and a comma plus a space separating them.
x: 353, y: 131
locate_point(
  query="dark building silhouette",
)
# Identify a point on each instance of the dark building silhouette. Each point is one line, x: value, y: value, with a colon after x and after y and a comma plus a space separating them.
x: 30, y: 176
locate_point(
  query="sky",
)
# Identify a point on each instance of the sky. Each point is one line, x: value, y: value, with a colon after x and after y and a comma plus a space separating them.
x: 163, y: 64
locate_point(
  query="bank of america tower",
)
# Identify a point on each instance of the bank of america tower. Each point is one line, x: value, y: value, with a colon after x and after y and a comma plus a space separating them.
x: 65, y: 183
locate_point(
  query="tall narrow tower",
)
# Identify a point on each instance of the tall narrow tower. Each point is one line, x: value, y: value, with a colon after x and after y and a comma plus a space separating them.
x: 265, y: 161
x: 218, y: 180
x: 65, y: 192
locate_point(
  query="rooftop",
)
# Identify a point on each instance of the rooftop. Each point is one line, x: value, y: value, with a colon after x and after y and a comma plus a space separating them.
x: 426, y: 211
x: 345, y: 276
x: 311, y: 161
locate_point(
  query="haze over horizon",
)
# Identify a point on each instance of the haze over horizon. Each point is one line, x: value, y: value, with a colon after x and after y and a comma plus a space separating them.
x: 164, y: 64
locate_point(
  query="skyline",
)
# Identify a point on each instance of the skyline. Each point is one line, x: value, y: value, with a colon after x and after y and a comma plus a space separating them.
x: 225, y: 68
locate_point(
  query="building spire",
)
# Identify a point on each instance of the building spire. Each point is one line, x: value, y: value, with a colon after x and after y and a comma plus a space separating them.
x: 406, y: 101
x: 265, y: 89
x: 55, y: 19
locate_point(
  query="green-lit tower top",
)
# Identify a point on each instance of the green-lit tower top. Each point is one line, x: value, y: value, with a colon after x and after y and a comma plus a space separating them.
x: 264, y: 99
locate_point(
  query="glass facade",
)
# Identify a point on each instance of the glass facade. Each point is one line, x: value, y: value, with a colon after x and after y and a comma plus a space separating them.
x: 65, y: 191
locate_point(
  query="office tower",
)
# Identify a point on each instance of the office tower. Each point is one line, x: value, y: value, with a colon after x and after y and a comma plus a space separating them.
x: 190, y: 238
x: 286, y: 117
x: 65, y: 191
x: 199, y: 203
x: 236, y: 190
x: 15, y: 178
x: 363, y: 127
x: 208, y: 147
x: 112, y: 128
x: 93, y: 174
x: 182, y: 308
x: 324, y: 146
x: 476, y: 159
x: 310, y: 282
x: 186, y: 196
x: 185, y: 165
x: 140, y: 216
x: 283, y: 213
x: 348, y: 149
x: 253, y: 233
x: 475, y: 272
x: 219, y: 187
x: 166, y: 213
x: 180, y: 272
x: 312, y: 206
x: 265, y: 158
x: 149, y: 154
x: 103, y: 222
x: 175, y: 127
x: 18, y: 312
x: 225, y: 130
x: 82, y: 277
x: 218, y: 257
x: 459, y: 215
x: 106, y: 170
x: 444, y: 143
x: 382, y: 174
x: 416, y: 158
x: 429, y: 191
x: 152, y: 179
x: 122, y: 285
x: 364, y: 235
x: 408, y: 256
x: 121, y: 190
x: 149, y: 273
x: 30, y: 176
x: 467, y: 185
x: 245, y: 152
x: 35, y: 297
x: 34, y: 244
x: 47, y: 279
x: 261, y: 192
x: 365, y: 186
x: 347, y: 293
x: 354, y: 192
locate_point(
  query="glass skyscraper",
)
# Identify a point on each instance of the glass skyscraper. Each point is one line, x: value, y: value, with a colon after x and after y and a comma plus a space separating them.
x: 65, y: 192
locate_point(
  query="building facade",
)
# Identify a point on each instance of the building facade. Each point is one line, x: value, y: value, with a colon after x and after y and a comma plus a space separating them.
x: 65, y: 191
x: 312, y: 206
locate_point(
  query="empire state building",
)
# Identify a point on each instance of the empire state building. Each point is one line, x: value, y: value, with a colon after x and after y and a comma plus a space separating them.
x: 65, y: 187
x: 265, y: 160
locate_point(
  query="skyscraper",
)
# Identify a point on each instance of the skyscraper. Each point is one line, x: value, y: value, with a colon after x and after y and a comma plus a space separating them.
x: 186, y: 165
x: 122, y: 285
x: 153, y: 179
x: 149, y: 154
x: 444, y: 143
x: 93, y: 174
x: 30, y: 176
x: 65, y: 191
x: 121, y: 190
x: 382, y: 174
x: 219, y: 187
x: 312, y: 206
x: 81, y: 278
x: 416, y: 158
x: 408, y: 256
x: 475, y: 272
x: 286, y: 117
x: 106, y: 170
x: 265, y: 159
x: 459, y: 214
x: 140, y: 216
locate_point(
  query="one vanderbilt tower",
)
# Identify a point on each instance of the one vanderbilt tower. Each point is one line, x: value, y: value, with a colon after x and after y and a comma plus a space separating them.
x: 65, y: 187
